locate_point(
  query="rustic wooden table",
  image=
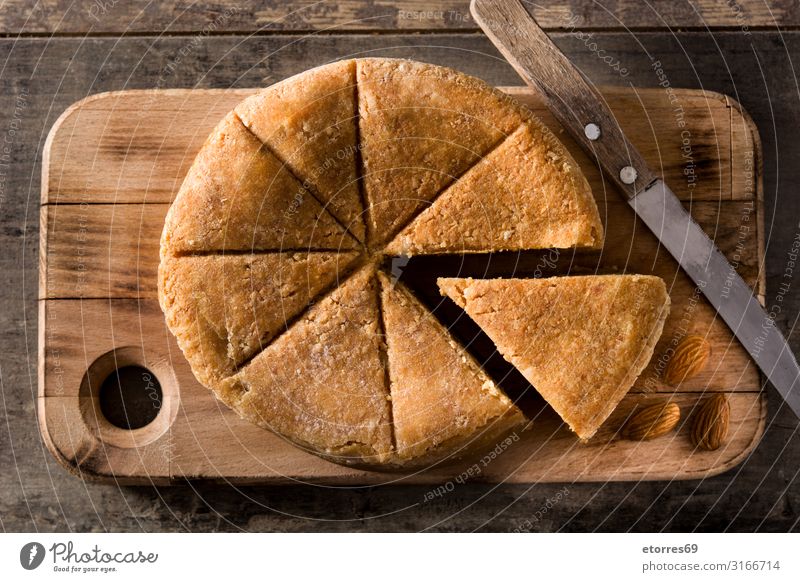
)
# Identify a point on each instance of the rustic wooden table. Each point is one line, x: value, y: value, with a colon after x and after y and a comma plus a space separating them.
x: 57, y: 52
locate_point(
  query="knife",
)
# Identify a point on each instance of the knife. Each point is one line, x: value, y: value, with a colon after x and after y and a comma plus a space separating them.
x: 581, y: 109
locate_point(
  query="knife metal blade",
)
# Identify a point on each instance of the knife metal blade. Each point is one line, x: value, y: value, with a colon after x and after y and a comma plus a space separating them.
x: 663, y: 213
x: 583, y: 112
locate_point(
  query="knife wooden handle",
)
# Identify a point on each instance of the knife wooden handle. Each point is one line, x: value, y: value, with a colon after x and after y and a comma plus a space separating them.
x: 576, y: 104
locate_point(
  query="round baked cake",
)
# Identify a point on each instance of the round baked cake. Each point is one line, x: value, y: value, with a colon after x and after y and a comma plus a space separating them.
x: 273, y: 273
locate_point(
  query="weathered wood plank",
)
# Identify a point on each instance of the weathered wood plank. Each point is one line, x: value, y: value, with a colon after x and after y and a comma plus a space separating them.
x: 759, y: 495
x: 205, y: 439
x: 107, y: 250
x: 547, y: 452
x: 102, y: 250
x: 219, y: 16
x: 137, y: 146
x: 105, y: 256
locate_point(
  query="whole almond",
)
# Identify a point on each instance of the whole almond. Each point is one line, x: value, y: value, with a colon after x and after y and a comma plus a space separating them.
x: 652, y: 421
x: 689, y: 358
x: 711, y: 423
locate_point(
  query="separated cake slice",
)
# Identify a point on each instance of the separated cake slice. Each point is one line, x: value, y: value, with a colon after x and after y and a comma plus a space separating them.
x: 309, y: 121
x: 443, y: 405
x: 421, y: 127
x: 580, y: 341
x: 224, y: 308
x: 238, y: 196
x: 528, y: 193
x: 322, y: 383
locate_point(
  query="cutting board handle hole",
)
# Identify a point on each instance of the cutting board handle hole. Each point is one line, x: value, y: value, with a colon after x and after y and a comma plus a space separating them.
x: 130, y: 397
x: 129, y: 400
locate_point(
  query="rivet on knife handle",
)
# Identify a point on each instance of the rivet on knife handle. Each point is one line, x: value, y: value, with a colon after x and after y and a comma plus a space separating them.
x: 583, y: 112
x: 577, y: 105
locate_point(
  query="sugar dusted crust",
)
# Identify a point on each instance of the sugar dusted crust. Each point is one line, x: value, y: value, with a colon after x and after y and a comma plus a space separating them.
x: 443, y: 402
x: 310, y: 123
x: 237, y: 196
x: 224, y: 308
x: 533, y: 196
x: 580, y: 341
x: 321, y: 384
x: 421, y: 127
x: 269, y: 272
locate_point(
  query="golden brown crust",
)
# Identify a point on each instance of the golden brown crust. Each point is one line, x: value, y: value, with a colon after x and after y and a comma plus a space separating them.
x: 309, y: 121
x: 580, y: 341
x: 222, y: 309
x: 317, y: 374
x: 443, y: 404
x: 321, y: 384
x: 421, y: 127
x: 237, y: 197
x: 528, y: 193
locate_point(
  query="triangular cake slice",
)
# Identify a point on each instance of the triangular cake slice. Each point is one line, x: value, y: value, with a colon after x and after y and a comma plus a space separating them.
x: 224, y: 308
x: 322, y: 384
x: 580, y: 341
x: 309, y: 121
x: 443, y: 405
x: 421, y: 127
x: 237, y: 196
x: 528, y: 193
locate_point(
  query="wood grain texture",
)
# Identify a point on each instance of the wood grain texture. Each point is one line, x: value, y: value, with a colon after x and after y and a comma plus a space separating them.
x: 107, y: 250
x: 148, y: 140
x: 576, y: 103
x: 104, y: 256
x: 220, y: 16
x: 208, y: 440
x: 760, y: 494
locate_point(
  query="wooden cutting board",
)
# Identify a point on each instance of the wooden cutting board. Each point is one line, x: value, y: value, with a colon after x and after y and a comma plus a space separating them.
x: 113, y: 163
